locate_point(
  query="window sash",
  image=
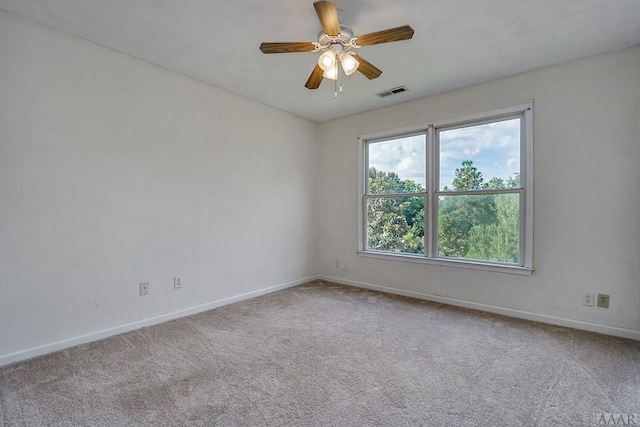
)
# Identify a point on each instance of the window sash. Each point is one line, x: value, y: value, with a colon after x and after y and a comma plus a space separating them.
x: 434, y: 236
x: 437, y: 129
x: 400, y: 197
x: 368, y: 143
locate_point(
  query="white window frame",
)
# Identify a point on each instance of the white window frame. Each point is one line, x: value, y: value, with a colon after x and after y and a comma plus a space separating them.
x: 432, y: 192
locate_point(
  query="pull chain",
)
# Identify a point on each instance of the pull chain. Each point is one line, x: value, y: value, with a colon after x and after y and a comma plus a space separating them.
x: 335, y: 83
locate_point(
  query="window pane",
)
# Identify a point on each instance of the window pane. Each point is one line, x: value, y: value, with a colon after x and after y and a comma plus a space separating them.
x: 478, y: 157
x: 482, y: 227
x: 395, y: 224
x: 398, y: 165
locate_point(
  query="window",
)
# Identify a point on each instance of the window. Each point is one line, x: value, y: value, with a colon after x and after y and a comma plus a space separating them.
x: 458, y: 192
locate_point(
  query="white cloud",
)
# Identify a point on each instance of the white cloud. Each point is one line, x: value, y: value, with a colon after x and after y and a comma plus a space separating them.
x: 404, y: 156
x: 494, y: 149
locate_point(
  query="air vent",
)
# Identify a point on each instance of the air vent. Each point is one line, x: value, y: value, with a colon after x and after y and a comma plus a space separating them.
x: 392, y: 91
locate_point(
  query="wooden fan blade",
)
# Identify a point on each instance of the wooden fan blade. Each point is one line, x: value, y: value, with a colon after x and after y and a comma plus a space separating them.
x: 366, y: 68
x: 292, y: 47
x: 314, y: 80
x: 385, y: 36
x: 328, y: 15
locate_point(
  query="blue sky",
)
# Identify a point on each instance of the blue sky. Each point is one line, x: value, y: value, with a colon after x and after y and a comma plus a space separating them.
x: 494, y: 149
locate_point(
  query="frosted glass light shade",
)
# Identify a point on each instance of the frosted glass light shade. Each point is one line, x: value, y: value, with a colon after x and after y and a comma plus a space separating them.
x: 331, y: 74
x: 349, y: 63
x: 327, y: 60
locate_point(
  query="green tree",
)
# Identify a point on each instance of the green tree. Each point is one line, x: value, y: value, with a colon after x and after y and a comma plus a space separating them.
x: 494, y: 184
x: 475, y: 226
x: 468, y: 177
x: 389, y: 182
x: 394, y: 224
x: 498, y: 241
x: 457, y: 215
x: 514, y: 181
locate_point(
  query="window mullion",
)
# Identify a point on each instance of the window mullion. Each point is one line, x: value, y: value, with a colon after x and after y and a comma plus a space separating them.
x: 430, y: 220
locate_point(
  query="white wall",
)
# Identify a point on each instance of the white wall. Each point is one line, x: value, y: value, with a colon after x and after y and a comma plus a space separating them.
x: 586, y: 199
x: 113, y: 172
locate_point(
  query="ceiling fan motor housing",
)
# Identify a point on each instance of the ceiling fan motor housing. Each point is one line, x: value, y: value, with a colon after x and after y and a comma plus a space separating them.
x: 337, y: 42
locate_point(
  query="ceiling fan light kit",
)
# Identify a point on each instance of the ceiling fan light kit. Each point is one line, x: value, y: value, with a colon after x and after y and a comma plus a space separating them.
x: 336, y: 43
x: 328, y: 61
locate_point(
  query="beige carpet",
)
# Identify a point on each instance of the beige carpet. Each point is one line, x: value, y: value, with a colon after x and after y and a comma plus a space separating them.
x: 323, y: 354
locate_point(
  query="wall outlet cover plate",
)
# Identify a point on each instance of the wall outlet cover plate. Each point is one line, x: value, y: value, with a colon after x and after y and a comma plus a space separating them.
x: 603, y: 300
x: 144, y: 288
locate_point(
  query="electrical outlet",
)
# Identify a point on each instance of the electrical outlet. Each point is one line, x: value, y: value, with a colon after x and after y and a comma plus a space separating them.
x: 337, y: 263
x: 177, y: 283
x: 603, y: 300
x: 587, y: 299
x: 144, y: 288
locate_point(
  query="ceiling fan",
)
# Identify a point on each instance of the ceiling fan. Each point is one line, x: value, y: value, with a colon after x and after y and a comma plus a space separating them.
x: 337, y: 43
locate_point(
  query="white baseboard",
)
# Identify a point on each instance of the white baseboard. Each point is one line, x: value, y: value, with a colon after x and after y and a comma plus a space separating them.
x: 105, y: 333
x: 543, y: 318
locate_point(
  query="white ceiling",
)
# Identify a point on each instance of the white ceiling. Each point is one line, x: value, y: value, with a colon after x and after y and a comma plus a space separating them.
x: 456, y: 42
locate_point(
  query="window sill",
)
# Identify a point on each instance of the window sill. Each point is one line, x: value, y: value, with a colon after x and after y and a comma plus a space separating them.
x: 471, y: 265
